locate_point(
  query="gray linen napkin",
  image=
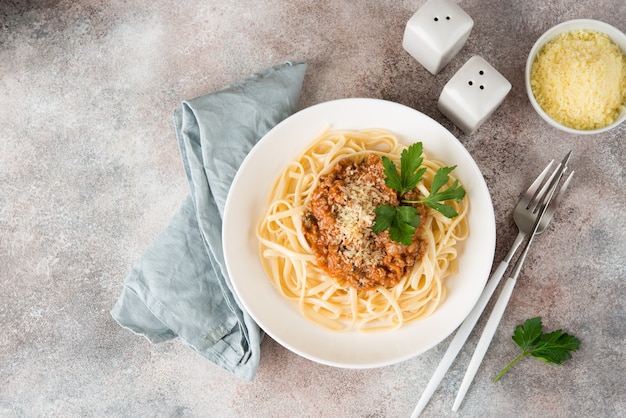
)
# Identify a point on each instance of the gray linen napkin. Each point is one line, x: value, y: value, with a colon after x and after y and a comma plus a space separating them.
x: 179, y: 287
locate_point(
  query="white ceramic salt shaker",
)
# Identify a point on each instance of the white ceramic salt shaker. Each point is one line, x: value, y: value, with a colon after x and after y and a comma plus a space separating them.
x: 473, y: 94
x: 436, y: 33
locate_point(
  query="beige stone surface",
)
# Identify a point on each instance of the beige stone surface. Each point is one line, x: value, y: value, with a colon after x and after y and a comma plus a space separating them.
x: 90, y: 173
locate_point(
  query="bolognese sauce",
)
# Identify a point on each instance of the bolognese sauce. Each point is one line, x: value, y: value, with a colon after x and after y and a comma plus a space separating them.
x: 338, y: 226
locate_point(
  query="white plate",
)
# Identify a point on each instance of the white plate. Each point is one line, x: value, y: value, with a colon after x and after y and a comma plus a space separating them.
x: 279, y: 317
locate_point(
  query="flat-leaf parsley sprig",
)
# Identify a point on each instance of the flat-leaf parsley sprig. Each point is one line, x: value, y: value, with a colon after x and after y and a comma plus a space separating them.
x: 553, y: 347
x: 402, y: 220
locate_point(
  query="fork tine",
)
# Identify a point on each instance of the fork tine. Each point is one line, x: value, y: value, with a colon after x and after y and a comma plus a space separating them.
x: 541, y: 195
x: 564, y: 165
x: 557, y: 198
x: 554, y: 204
x: 531, y: 193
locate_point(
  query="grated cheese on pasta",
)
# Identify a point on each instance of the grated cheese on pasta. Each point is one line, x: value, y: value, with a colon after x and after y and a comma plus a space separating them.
x: 355, y: 219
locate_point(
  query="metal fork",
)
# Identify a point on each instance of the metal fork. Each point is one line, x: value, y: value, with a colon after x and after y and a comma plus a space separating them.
x: 503, y: 299
x: 525, y: 214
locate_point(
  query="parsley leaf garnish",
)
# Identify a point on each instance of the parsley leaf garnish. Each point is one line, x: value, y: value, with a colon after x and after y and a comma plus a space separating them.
x: 553, y: 347
x: 454, y: 192
x: 402, y: 220
x: 410, y: 171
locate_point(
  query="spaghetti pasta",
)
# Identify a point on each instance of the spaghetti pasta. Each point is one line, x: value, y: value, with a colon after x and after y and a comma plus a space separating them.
x: 290, y: 262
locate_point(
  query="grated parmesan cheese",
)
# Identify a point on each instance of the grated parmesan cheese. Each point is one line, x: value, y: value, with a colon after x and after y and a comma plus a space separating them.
x: 579, y: 79
x: 355, y: 220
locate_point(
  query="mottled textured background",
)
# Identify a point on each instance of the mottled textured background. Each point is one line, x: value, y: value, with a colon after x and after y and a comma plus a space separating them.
x: 90, y: 173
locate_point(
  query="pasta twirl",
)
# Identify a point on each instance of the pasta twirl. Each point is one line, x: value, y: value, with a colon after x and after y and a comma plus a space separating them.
x: 291, y: 264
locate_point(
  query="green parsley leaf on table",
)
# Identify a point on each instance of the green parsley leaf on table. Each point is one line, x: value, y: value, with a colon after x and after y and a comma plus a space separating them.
x: 553, y: 347
x: 401, y: 220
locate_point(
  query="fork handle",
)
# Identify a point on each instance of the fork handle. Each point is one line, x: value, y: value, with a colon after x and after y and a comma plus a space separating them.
x: 460, y: 337
x: 485, y: 339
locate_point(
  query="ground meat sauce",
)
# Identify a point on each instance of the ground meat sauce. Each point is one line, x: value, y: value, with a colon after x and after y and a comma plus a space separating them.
x: 338, y: 226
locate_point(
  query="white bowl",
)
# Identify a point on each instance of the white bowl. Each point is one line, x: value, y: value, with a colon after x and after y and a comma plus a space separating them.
x: 280, y: 318
x: 618, y: 37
